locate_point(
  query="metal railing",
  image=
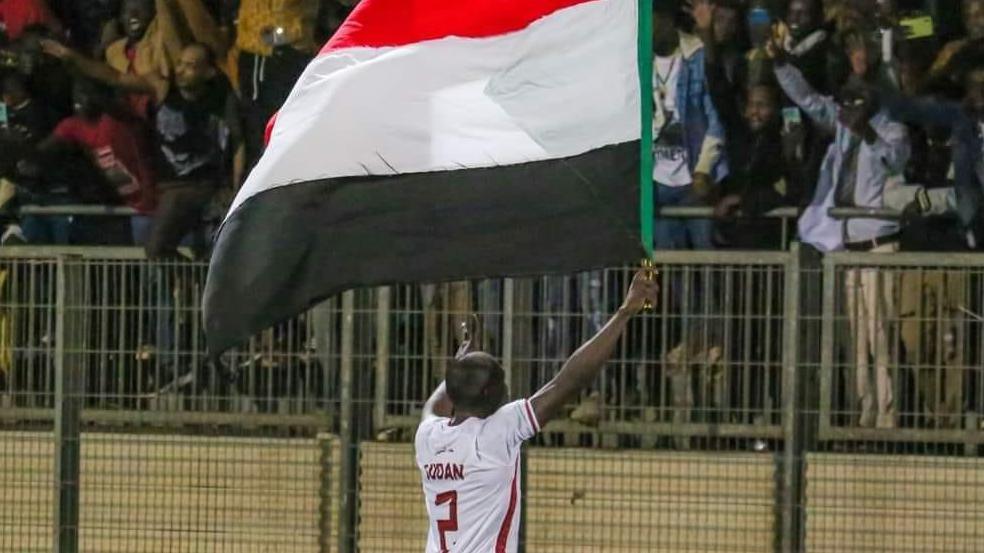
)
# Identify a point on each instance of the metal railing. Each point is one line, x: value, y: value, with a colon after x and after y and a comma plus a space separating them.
x: 901, y: 352
x: 720, y: 328
x: 737, y: 400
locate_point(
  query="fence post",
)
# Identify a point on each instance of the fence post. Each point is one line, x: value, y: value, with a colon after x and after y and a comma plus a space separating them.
x: 792, y: 463
x: 329, y: 489
x: 827, y: 344
x: 69, y: 326
x: 508, y: 352
x: 349, y: 452
x: 508, y: 305
x: 383, y: 301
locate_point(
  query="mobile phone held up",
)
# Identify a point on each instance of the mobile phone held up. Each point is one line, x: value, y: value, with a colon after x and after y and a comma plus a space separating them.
x: 791, y: 117
x: 917, y: 25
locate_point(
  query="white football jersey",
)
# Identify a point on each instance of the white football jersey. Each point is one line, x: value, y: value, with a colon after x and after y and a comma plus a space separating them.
x: 470, y: 474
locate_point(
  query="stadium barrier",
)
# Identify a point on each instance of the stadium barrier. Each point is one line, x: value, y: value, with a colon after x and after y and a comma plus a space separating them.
x: 727, y: 422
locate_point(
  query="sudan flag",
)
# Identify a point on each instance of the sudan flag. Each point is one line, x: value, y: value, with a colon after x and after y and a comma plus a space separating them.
x: 440, y: 139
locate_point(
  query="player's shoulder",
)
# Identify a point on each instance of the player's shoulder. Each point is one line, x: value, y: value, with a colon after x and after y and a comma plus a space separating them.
x: 424, y: 431
x: 427, y: 426
x: 518, y: 413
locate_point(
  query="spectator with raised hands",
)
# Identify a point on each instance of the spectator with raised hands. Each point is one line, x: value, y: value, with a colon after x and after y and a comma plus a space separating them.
x: 198, y: 137
x: 868, y: 149
x: 155, y: 33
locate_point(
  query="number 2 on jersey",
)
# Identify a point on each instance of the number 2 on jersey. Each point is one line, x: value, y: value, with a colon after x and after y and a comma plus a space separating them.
x: 449, y: 524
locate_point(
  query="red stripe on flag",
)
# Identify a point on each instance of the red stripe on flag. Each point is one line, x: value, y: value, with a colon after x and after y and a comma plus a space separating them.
x: 378, y: 23
x: 501, y: 542
x: 268, y: 131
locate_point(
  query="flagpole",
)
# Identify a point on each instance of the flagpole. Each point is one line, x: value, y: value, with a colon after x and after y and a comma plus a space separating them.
x: 645, y: 57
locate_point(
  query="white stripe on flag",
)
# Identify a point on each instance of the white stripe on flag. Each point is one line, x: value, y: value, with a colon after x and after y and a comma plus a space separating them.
x: 565, y: 85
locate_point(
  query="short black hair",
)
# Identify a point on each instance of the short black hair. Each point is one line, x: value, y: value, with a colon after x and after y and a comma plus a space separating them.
x: 467, y: 378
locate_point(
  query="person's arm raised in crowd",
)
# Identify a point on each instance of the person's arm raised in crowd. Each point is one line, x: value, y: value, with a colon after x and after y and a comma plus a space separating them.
x: 438, y: 404
x: 99, y: 71
x: 923, y: 111
x: 822, y: 109
x: 586, y: 363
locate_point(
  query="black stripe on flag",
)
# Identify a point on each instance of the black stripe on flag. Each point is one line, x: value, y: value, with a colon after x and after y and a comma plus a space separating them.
x: 288, y: 248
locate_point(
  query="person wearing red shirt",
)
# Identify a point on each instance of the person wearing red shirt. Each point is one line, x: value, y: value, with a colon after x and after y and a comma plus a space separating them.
x: 16, y: 15
x: 117, y: 145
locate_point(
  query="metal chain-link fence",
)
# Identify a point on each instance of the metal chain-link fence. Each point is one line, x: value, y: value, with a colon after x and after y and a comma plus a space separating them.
x: 773, y: 401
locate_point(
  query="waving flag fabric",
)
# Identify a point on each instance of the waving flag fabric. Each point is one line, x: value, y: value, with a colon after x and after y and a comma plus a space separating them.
x: 434, y: 140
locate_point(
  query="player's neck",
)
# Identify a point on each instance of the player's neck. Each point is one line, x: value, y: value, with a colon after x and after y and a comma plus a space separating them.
x: 461, y: 416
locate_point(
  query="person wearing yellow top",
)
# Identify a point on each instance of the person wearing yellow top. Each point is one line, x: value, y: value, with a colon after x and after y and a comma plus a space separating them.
x: 259, y: 19
x: 276, y: 40
x: 155, y: 33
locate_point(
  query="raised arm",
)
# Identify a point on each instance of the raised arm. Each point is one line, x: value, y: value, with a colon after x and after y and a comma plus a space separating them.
x: 930, y: 112
x: 439, y: 403
x: 822, y: 109
x: 102, y: 72
x: 584, y: 365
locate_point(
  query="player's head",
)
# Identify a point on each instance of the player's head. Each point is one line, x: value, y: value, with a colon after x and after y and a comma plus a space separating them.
x: 476, y: 384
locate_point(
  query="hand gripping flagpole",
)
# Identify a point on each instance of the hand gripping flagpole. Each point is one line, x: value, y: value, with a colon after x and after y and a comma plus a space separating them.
x: 648, y: 265
x: 646, y: 199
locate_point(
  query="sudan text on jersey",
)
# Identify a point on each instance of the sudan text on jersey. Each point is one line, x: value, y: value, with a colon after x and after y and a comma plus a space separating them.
x: 469, y: 476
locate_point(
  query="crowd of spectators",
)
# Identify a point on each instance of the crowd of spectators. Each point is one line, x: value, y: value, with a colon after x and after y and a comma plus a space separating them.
x: 161, y: 106
x: 156, y: 105
x: 819, y: 104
